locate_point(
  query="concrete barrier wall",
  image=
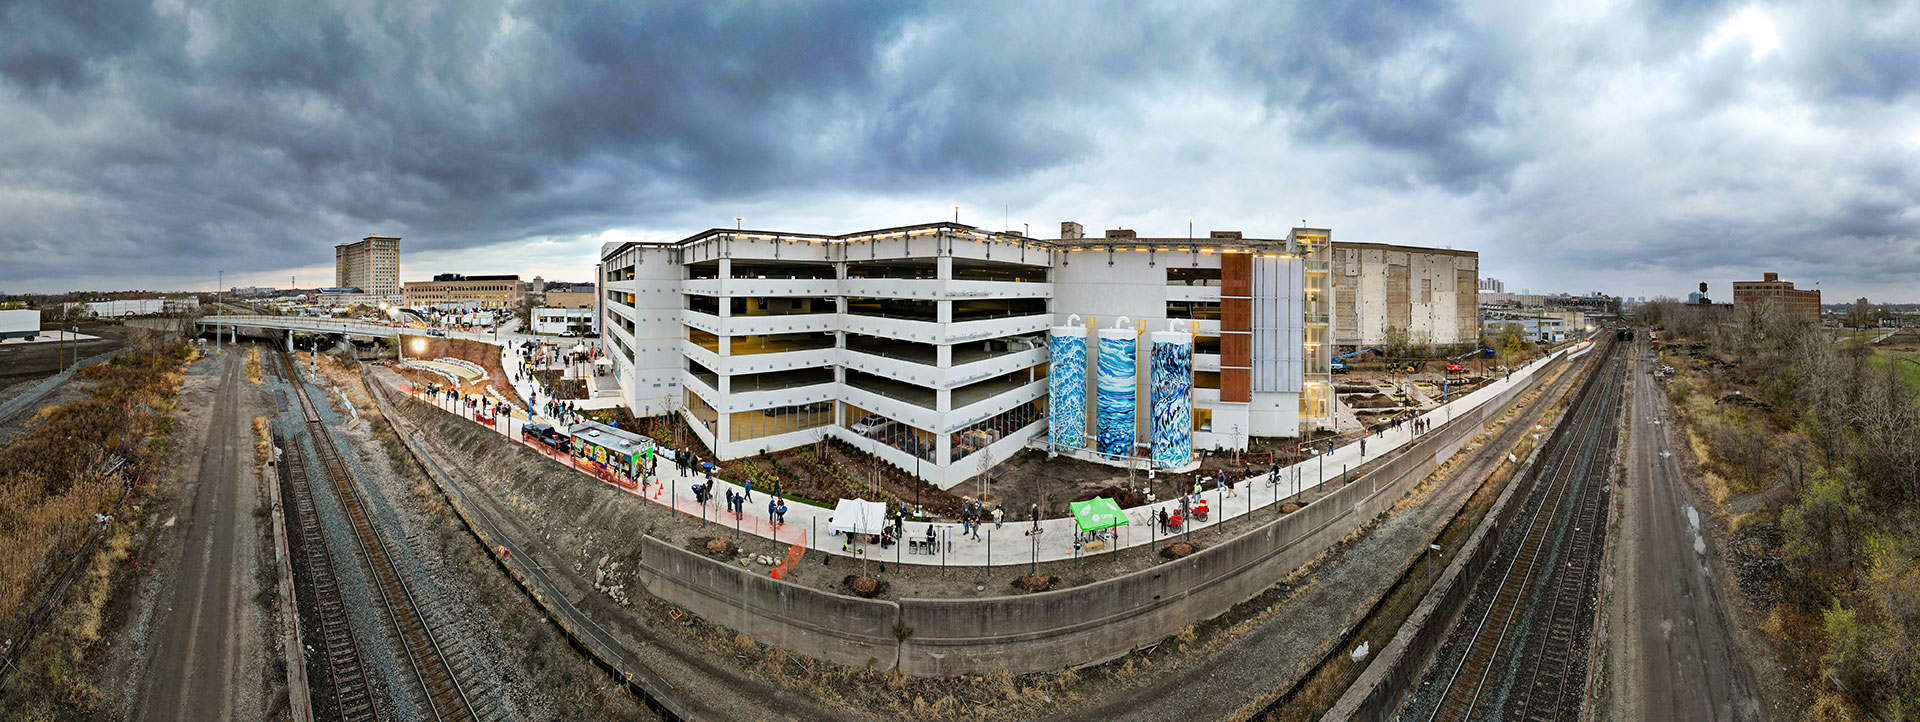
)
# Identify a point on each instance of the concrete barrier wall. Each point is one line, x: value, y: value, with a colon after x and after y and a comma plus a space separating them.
x: 1107, y: 619
x: 1051, y: 630
x: 834, y: 627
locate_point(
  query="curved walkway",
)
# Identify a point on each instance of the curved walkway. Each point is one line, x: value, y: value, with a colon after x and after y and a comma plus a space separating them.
x: 1055, y: 542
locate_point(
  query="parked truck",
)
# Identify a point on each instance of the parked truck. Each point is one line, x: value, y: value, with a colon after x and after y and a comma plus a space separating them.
x: 20, y: 324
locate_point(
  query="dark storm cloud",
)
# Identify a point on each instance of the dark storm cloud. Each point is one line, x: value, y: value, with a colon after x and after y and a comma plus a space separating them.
x: 61, y: 44
x: 1415, y: 78
x: 259, y: 130
x: 148, y: 143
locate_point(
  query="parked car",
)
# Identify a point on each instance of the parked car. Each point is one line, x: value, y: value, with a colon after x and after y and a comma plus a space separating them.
x: 871, y: 425
x: 547, y: 435
x: 436, y: 332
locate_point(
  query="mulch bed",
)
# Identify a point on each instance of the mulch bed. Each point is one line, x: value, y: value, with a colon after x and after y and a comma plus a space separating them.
x: 1039, y: 583
x: 1178, y: 549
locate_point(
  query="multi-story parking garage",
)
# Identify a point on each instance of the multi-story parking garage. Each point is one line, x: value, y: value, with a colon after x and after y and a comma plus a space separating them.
x: 927, y: 345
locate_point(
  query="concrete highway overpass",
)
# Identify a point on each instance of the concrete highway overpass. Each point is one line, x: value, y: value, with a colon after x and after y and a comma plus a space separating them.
x: 263, y: 325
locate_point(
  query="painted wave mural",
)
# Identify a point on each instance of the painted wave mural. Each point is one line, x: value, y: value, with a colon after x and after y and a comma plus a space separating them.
x: 1172, y: 400
x: 1067, y: 390
x: 1117, y: 392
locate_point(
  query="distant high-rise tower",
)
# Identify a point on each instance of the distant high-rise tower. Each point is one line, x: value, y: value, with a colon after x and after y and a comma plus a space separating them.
x: 371, y: 265
x: 1492, y: 285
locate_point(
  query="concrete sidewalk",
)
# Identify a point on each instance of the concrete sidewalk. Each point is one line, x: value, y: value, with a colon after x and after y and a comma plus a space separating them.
x: 1011, y: 543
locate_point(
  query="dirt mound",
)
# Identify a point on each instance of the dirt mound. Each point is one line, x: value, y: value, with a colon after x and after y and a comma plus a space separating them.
x: 1177, y: 550
x: 1035, y: 583
x: 867, y: 587
x: 716, y: 548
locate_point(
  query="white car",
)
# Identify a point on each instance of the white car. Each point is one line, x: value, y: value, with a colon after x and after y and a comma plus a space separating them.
x: 870, y: 425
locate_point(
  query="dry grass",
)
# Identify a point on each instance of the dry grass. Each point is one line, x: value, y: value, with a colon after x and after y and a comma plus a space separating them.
x: 54, y: 479
x: 253, y: 365
x: 262, y: 443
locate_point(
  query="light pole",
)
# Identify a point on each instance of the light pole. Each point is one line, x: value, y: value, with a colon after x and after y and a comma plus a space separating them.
x: 956, y: 214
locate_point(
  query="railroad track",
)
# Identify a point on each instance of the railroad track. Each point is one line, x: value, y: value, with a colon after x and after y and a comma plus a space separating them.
x: 346, y: 672
x: 436, y: 672
x: 1523, y: 652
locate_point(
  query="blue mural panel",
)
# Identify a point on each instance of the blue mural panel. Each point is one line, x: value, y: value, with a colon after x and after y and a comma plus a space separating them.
x: 1117, y: 384
x: 1172, y: 399
x: 1067, y: 388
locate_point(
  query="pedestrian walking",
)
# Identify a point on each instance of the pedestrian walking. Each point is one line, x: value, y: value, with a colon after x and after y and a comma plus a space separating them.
x: 1220, y: 485
x: 1033, y: 512
x: 1161, y: 516
x: 1230, y: 489
x: 780, y: 512
x: 999, y: 514
x: 773, y: 509
x: 749, y: 488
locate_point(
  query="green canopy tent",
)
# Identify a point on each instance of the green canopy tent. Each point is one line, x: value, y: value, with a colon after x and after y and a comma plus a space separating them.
x: 1097, y: 513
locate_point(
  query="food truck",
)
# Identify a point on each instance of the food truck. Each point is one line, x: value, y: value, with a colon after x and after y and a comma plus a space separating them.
x: 610, y: 449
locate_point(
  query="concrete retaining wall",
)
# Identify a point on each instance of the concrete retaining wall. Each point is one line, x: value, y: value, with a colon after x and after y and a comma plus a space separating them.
x: 834, y: 627
x: 1050, y: 630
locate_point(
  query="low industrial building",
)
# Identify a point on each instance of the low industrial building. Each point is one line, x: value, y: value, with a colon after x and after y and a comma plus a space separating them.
x: 142, y: 307
x: 453, y: 289
x: 1775, y: 294
x: 1537, y: 328
x: 577, y: 321
x: 568, y: 295
x: 929, y: 345
x: 1431, y: 293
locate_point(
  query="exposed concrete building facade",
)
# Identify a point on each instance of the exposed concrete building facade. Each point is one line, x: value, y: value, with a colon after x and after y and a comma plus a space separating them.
x: 926, y: 345
x: 1430, y: 292
x: 570, y: 296
x: 453, y: 289
x: 372, y: 265
x: 1775, y: 293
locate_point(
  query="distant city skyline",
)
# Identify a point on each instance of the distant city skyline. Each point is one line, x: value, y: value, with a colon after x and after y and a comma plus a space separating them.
x: 1635, y: 147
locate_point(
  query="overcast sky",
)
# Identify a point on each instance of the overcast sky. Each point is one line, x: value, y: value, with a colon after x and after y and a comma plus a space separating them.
x: 1635, y: 148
